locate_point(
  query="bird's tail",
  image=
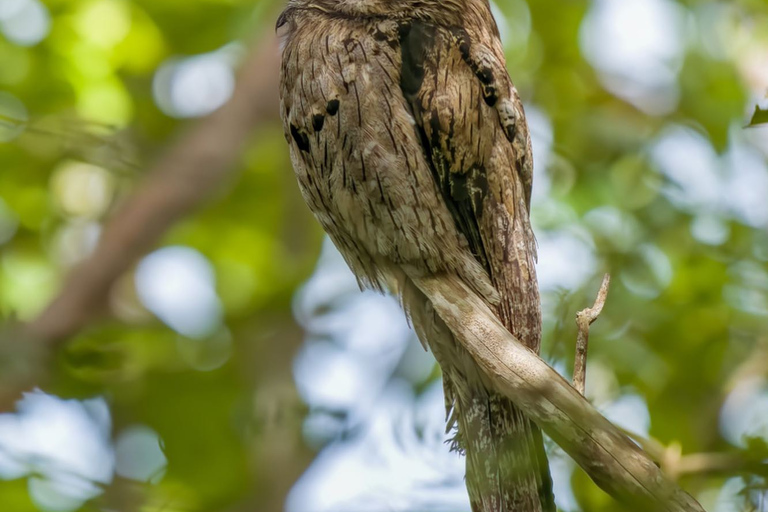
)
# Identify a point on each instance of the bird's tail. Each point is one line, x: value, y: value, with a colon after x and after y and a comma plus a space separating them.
x: 507, y: 468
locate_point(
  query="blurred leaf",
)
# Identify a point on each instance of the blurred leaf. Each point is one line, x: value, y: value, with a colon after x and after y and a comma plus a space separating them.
x: 759, y: 117
x: 681, y: 328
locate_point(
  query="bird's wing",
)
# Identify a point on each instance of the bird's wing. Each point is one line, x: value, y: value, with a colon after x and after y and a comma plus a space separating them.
x: 474, y: 133
x: 359, y: 161
x: 473, y: 130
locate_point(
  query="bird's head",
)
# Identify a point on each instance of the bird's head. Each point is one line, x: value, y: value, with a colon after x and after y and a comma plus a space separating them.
x: 447, y: 11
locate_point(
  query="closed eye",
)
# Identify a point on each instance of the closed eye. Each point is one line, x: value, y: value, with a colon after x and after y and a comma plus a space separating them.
x: 283, y: 30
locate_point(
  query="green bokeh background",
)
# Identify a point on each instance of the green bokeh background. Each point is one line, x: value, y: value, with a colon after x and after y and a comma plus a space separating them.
x: 686, y: 321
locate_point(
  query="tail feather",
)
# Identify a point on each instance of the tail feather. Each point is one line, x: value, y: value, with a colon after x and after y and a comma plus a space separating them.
x: 507, y: 468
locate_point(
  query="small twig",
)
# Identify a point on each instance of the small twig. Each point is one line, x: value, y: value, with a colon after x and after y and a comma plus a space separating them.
x: 677, y: 465
x: 584, y: 319
x: 713, y: 463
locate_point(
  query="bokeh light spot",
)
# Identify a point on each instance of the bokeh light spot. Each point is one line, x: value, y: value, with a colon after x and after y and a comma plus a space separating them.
x: 104, y: 22
x: 178, y: 285
x: 194, y: 86
x: 24, y: 22
x: 62, y: 445
x: 27, y: 283
x: 138, y: 454
x: 745, y: 412
x: 638, y: 47
x: 107, y: 102
x: 82, y: 190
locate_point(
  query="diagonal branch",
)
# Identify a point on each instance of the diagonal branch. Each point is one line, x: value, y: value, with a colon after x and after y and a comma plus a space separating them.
x: 610, y: 458
x: 188, y: 173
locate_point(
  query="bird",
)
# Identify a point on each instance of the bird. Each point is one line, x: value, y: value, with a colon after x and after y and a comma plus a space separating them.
x: 410, y: 146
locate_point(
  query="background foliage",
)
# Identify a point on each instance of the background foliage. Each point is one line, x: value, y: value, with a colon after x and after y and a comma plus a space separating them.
x: 186, y: 397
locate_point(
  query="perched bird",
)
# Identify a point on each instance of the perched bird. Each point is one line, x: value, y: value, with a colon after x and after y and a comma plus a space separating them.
x: 411, y: 148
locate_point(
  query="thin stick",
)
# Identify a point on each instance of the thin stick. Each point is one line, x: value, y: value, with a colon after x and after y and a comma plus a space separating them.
x: 584, y: 319
x: 676, y: 465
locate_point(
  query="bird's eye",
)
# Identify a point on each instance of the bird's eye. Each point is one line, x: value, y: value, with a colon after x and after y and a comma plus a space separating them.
x: 282, y: 35
x: 281, y: 21
x: 283, y: 29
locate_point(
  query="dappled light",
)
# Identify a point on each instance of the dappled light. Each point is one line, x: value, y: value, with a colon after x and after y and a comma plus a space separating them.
x: 24, y: 22
x: 638, y: 47
x: 231, y: 363
x: 195, y: 86
x: 62, y: 448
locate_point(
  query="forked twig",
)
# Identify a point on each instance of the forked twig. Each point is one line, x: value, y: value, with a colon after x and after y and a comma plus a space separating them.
x: 584, y: 319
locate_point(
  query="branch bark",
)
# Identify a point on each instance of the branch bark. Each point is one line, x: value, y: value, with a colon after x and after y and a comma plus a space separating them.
x: 584, y: 319
x: 611, y: 459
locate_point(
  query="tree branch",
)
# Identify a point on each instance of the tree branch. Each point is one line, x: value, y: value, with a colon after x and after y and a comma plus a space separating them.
x: 677, y: 465
x: 584, y: 319
x: 185, y: 176
x: 610, y: 458
x: 189, y: 172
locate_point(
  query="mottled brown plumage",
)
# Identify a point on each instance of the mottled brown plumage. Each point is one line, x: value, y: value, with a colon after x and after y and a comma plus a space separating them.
x: 410, y: 146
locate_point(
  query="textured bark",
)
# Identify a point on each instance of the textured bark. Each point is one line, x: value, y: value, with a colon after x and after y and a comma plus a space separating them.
x: 411, y: 148
x: 608, y: 456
